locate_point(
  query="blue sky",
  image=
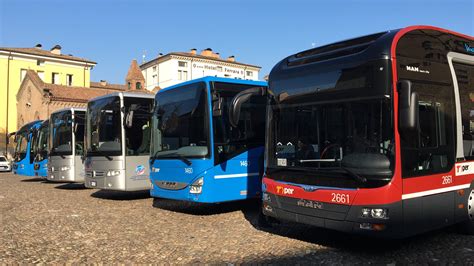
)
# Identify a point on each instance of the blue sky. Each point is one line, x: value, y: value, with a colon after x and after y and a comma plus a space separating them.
x: 113, y: 33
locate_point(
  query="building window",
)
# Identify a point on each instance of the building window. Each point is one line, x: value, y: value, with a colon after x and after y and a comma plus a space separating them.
x: 138, y: 85
x: 41, y: 75
x: 182, y: 75
x: 40, y: 62
x: 69, y: 79
x: 155, y: 79
x: 154, y: 69
x: 55, y: 78
x: 249, y: 73
x: 182, y: 64
x: 22, y: 74
x: 129, y: 85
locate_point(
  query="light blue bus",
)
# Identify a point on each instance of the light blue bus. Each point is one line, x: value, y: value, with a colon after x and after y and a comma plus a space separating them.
x: 24, y: 155
x: 40, y: 147
x: 197, y: 153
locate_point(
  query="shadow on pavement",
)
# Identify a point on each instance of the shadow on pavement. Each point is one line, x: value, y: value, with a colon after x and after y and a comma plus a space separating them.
x: 71, y: 186
x: 33, y: 179
x: 195, y: 208
x: 341, y: 248
x: 341, y: 242
x: 121, y: 195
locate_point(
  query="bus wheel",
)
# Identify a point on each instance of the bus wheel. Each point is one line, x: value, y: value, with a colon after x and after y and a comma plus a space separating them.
x: 468, y: 226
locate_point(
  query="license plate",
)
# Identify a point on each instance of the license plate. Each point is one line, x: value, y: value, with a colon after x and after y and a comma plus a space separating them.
x: 93, y: 184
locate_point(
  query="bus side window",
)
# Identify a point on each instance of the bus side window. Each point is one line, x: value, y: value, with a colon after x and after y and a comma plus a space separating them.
x: 465, y: 79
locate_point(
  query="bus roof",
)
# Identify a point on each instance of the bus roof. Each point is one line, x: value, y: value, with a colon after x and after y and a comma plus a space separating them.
x: 69, y: 109
x: 30, y: 125
x: 217, y: 79
x: 365, y: 48
x: 136, y: 94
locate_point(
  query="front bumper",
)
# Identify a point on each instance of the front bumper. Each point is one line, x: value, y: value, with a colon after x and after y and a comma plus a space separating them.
x: 5, y: 168
x: 62, y: 176
x: 344, y: 218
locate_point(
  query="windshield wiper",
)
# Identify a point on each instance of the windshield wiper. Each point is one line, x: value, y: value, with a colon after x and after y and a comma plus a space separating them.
x: 103, y: 154
x: 171, y: 155
x: 357, y: 177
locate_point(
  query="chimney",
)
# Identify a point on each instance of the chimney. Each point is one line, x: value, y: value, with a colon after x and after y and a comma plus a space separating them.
x: 207, y: 52
x: 38, y: 46
x: 193, y: 51
x: 231, y: 58
x: 103, y: 82
x: 56, y: 49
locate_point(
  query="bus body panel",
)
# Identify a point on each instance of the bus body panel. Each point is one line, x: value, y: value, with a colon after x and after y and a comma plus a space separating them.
x: 96, y: 168
x: 238, y: 178
x: 67, y: 167
x: 26, y: 166
x: 61, y: 168
x: 41, y: 168
x: 416, y: 202
x: 137, y: 173
x: 118, y: 171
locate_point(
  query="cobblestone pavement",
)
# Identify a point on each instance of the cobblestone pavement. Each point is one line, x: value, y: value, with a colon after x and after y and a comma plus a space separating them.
x: 51, y: 222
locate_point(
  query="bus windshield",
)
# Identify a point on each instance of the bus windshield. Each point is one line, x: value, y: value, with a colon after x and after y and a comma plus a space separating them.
x: 61, y: 129
x: 355, y: 135
x: 181, y: 123
x: 250, y: 132
x: 21, y: 145
x: 104, y: 124
x: 41, y: 147
x: 138, y: 133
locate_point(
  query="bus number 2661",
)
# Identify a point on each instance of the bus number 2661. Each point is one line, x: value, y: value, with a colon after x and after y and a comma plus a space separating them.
x: 340, y: 198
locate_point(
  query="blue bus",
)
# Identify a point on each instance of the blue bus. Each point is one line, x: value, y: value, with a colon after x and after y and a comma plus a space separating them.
x: 197, y: 153
x: 40, y: 146
x: 24, y: 156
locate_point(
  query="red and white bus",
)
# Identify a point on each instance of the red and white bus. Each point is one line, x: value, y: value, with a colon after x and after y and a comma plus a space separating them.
x: 374, y: 134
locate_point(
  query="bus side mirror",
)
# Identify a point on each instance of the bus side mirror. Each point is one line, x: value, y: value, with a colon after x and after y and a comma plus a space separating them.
x: 241, y: 98
x: 129, y: 119
x: 217, y: 106
x: 407, y: 107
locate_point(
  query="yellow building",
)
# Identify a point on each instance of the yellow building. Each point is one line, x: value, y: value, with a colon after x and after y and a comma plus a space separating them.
x: 51, y: 66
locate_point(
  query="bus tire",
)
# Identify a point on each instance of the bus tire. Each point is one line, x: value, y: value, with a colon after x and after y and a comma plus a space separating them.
x: 467, y: 227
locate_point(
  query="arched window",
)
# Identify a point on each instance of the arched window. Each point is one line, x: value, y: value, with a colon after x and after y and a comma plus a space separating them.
x: 139, y: 86
x: 129, y: 85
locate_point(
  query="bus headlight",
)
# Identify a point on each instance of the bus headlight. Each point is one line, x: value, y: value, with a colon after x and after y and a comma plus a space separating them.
x: 196, y: 187
x: 376, y: 213
x: 65, y: 168
x: 113, y: 173
x: 45, y: 166
x: 22, y: 166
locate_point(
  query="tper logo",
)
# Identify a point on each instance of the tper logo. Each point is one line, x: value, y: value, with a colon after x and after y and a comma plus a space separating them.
x: 464, y: 168
x: 284, y: 190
